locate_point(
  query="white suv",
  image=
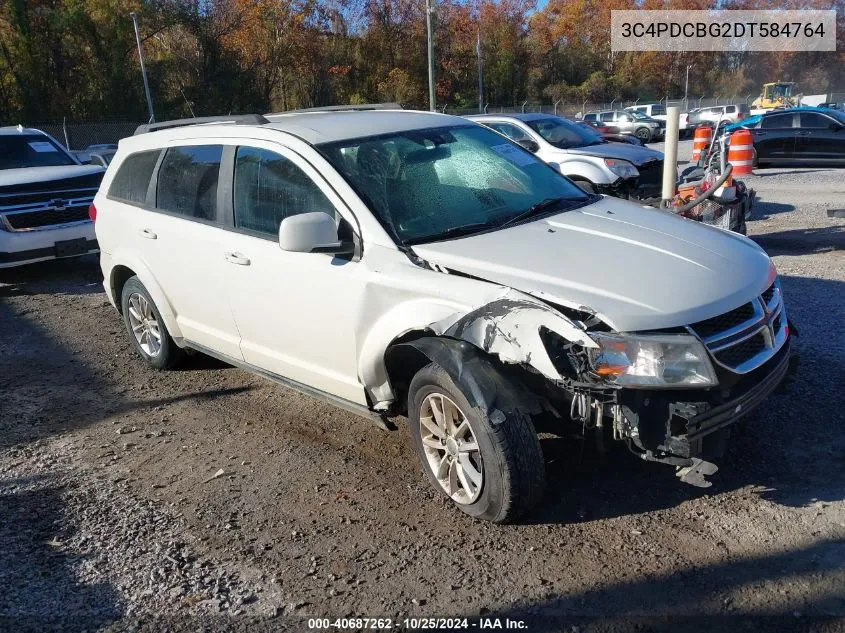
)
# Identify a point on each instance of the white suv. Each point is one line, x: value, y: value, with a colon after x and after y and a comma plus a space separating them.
x: 418, y: 264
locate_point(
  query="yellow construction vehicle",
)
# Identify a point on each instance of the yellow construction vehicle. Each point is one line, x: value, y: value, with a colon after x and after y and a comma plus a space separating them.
x: 776, y: 95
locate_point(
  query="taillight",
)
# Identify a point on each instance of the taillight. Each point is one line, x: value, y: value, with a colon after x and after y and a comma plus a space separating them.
x: 92, y: 212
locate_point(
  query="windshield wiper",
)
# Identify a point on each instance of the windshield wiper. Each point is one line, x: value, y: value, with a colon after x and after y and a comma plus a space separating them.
x: 539, y: 208
x: 455, y: 231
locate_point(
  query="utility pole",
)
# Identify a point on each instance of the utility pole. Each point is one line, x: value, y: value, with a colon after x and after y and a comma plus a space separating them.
x: 429, y: 18
x: 480, y: 68
x: 143, y: 68
x: 686, y: 88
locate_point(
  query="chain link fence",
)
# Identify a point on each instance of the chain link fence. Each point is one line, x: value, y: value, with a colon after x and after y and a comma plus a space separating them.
x: 78, y: 135
x: 571, y: 109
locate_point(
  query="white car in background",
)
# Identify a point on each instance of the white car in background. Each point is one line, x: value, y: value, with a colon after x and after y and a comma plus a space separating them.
x: 45, y: 195
x: 657, y: 111
x: 581, y: 154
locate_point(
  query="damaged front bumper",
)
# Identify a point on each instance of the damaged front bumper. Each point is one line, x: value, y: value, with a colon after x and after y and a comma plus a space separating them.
x: 631, y: 189
x: 620, y: 188
x: 674, y: 427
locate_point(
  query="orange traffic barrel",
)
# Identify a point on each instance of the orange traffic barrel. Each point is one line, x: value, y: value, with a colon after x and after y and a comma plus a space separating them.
x: 701, y: 141
x: 741, y: 152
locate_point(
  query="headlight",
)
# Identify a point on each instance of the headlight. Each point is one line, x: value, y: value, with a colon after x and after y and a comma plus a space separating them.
x: 621, y: 168
x: 670, y: 360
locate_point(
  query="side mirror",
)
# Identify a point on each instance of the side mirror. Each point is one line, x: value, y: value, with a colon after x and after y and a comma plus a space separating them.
x: 310, y: 233
x: 529, y: 144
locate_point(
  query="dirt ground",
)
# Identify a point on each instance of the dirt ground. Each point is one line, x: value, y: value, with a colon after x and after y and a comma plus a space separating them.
x: 114, y: 514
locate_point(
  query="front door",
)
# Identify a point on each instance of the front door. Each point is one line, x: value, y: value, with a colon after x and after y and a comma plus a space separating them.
x: 296, y: 312
x: 820, y: 138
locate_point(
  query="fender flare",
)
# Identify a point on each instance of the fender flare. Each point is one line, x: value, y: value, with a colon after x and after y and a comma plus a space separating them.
x: 496, y: 391
x: 121, y: 257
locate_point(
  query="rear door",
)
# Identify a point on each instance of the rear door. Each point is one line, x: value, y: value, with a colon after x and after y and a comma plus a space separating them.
x: 183, y: 238
x: 130, y: 200
x: 774, y: 139
x: 819, y: 138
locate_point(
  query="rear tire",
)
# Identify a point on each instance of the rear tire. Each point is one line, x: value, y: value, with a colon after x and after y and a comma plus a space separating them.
x: 146, y: 328
x: 491, y: 469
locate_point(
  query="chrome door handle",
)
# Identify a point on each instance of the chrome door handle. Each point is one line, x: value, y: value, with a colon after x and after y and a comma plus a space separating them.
x: 148, y: 234
x: 237, y: 258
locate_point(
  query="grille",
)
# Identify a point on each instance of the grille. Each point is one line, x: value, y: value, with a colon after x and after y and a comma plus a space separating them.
x: 768, y: 294
x: 742, y: 352
x: 46, y: 217
x: 723, y: 322
x: 744, y: 338
x: 651, y: 173
x: 26, y: 198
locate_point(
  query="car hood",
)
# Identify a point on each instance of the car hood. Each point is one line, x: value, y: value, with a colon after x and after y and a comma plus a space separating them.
x: 638, y: 268
x: 636, y: 154
x: 27, y: 175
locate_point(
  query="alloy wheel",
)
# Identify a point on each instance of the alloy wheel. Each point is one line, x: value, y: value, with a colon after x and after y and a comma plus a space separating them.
x: 451, y: 448
x: 144, y: 324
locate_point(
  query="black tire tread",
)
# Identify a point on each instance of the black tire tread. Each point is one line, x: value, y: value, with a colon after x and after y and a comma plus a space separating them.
x: 514, y: 438
x: 519, y: 442
x: 171, y: 354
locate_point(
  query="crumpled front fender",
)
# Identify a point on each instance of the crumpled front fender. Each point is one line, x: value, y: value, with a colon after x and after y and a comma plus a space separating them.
x: 507, y: 327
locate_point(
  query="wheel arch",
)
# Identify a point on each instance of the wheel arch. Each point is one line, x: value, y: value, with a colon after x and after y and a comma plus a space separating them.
x: 583, y: 170
x: 486, y: 381
x: 124, y: 268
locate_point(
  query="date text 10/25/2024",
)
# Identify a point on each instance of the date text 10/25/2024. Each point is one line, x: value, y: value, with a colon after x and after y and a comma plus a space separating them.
x: 416, y: 624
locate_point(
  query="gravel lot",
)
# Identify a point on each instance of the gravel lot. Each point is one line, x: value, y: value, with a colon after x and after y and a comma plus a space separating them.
x: 114, y: 514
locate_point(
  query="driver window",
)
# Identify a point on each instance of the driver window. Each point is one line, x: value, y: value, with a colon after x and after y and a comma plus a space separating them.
x: 814, y: 119
x: 269, y: 188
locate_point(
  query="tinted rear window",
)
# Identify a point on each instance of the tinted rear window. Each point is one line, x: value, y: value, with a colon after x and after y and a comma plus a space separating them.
x: 133, y: 177
x: 187, y: 181
x: 777, y: 120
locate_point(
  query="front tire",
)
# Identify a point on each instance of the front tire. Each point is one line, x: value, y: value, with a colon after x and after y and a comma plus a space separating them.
x: 585, y: 186
x: 491, y: 469
x: 644, y: 134
x: 146, y: 328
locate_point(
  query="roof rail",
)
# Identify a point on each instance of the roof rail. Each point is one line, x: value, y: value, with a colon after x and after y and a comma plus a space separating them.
x: 243, y: 119
x: 348, y: 108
